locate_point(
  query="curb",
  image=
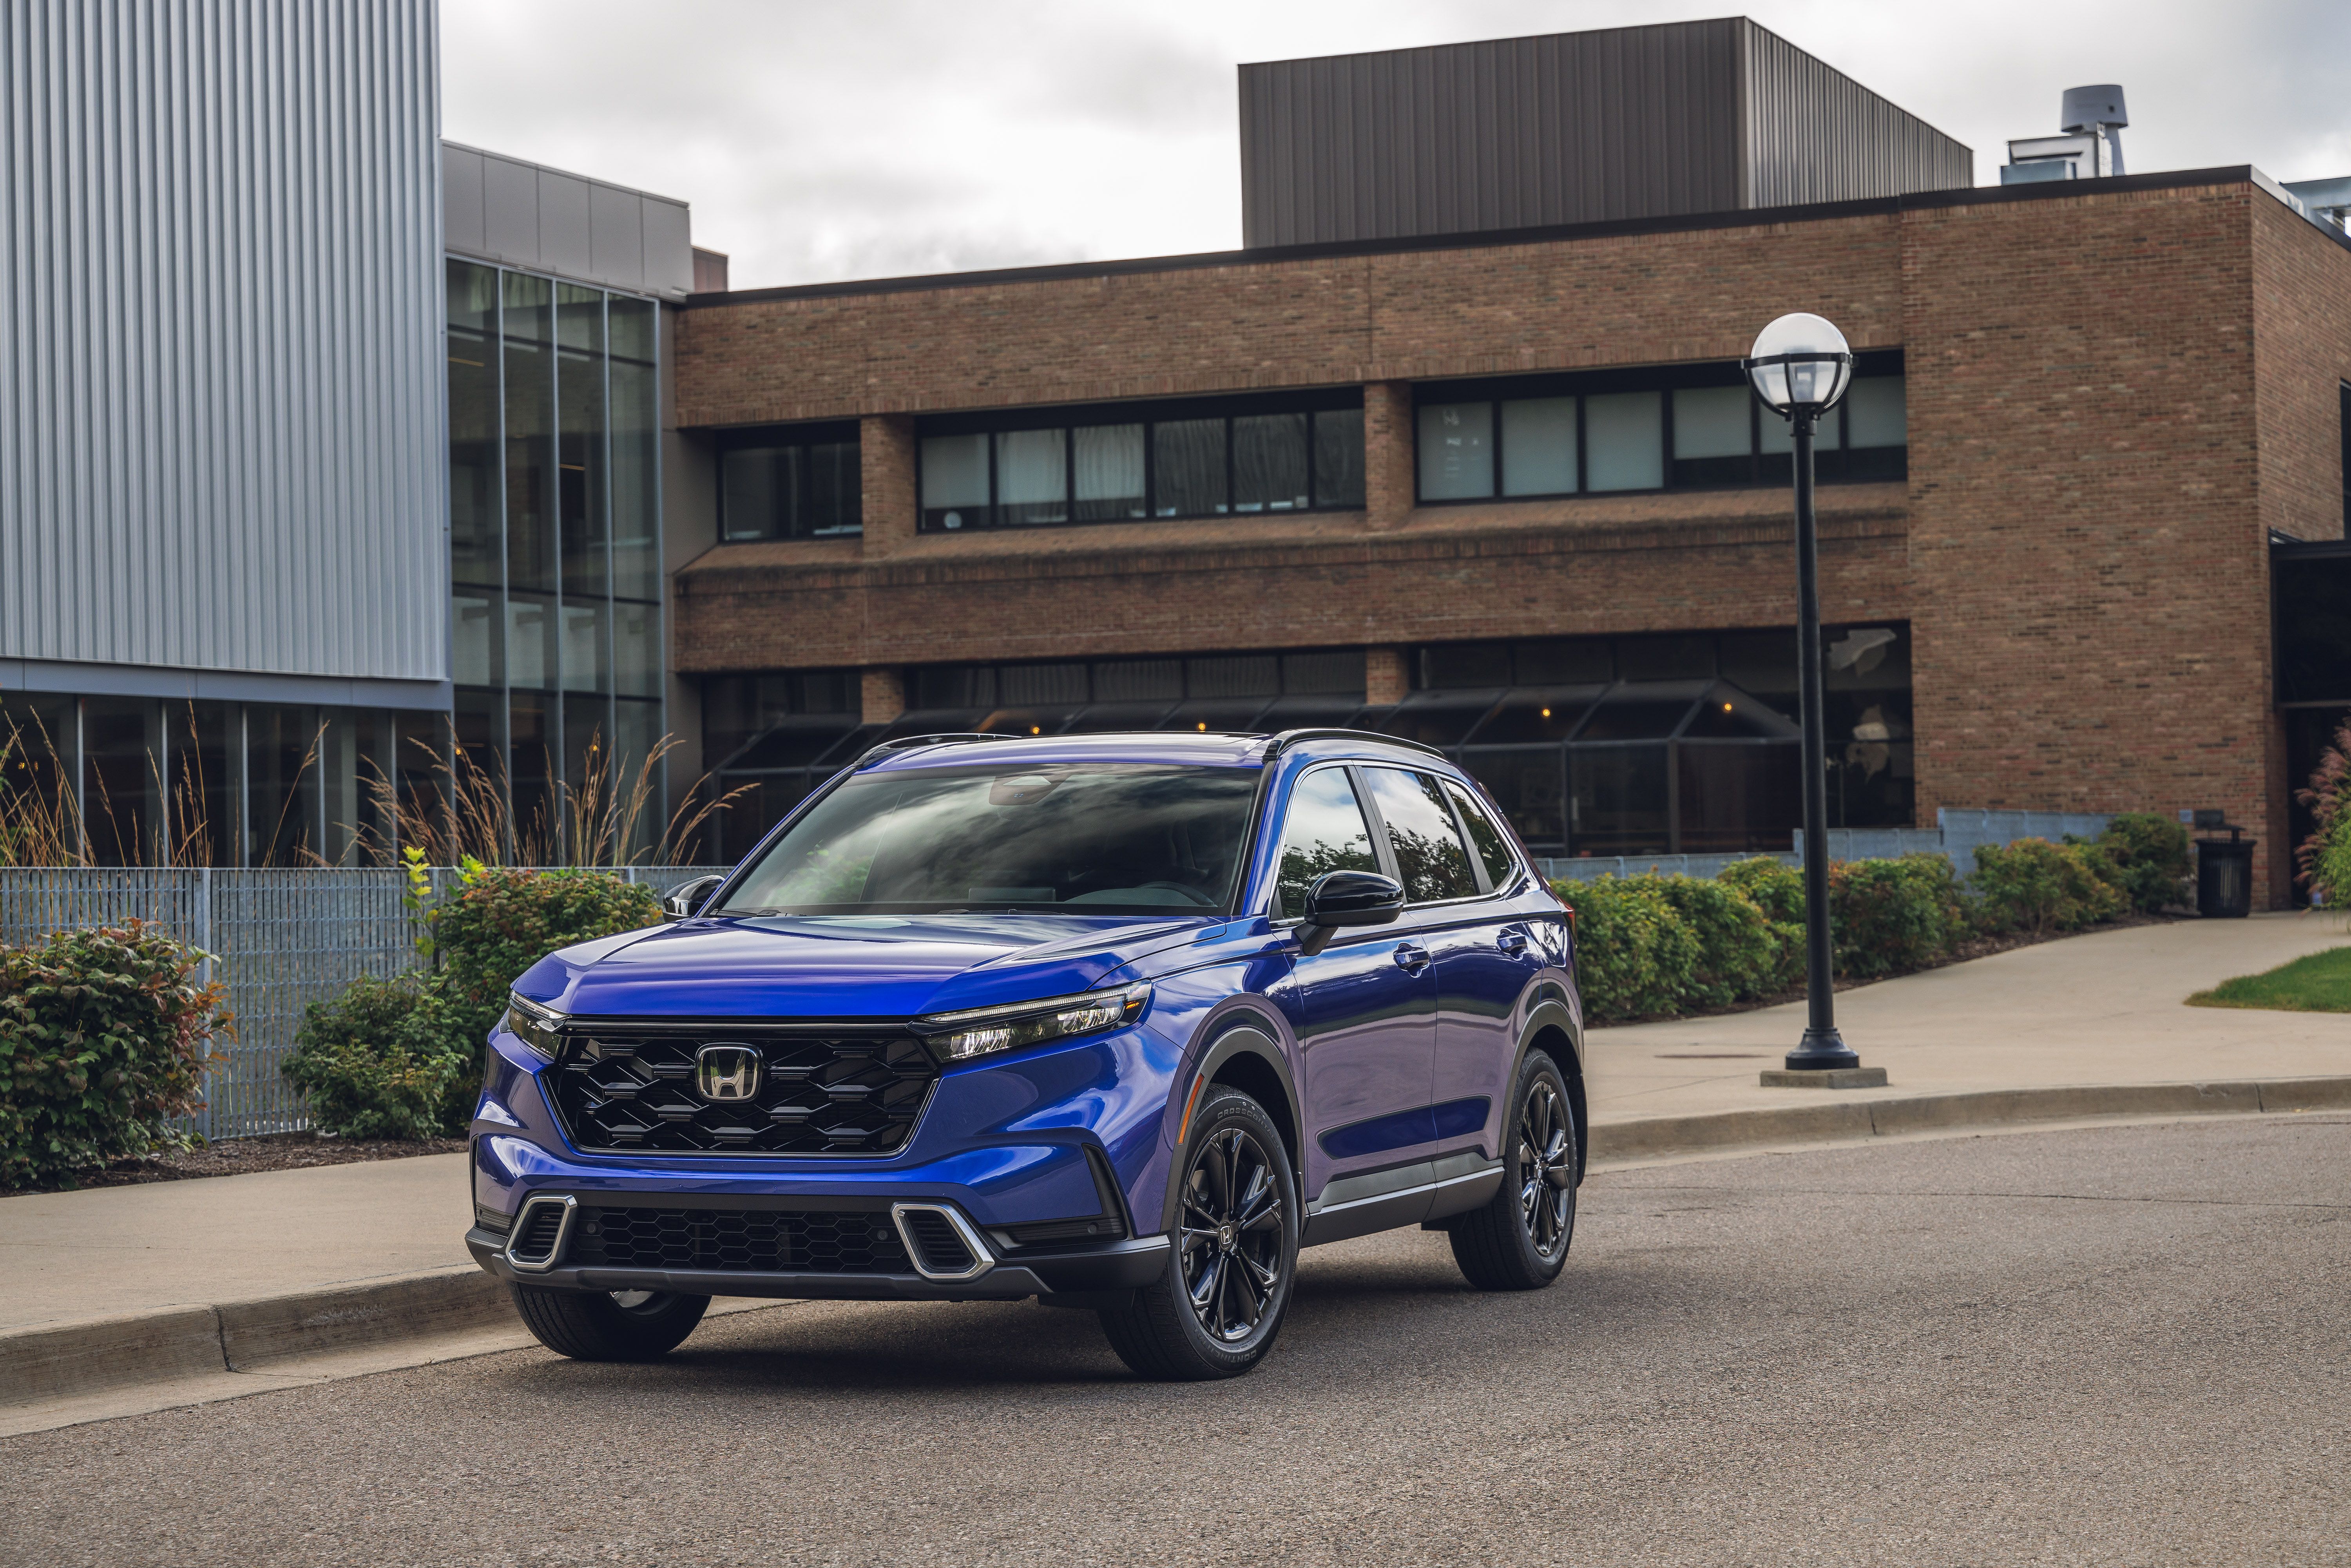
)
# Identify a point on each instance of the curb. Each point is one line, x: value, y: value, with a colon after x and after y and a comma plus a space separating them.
x: 60, y: 1361
x: 55, y: 1361
x: 1854, y: 1120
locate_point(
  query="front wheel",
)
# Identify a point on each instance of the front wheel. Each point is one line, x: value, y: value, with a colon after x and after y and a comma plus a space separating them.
x: 1518, y: 1241
x: 1214, y: 1310
x: 609, y: 1325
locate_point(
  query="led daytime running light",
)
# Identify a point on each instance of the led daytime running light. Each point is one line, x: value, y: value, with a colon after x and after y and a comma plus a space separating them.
x: 956, y: 1037
x: 534, y: 1025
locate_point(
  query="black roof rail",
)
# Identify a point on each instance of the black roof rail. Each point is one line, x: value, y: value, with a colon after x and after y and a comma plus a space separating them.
x: 908, y: 742
x: 1289, y: 737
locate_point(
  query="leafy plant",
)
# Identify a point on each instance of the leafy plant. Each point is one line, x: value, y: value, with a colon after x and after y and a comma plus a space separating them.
x: 1893, y: 917
x: 2151, y: 853
x: 2036, y: 886
x: 2324, y: 857
x: 1635, y: 953
x: 1737, y: 953
x: 1776, y: 889
x: 104, y: 1033
x: 378, y: 1060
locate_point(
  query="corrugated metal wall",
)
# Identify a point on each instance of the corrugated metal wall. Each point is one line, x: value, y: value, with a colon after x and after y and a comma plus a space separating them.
x: 1814, y: 134
x: 221, y: 442
x: 1517, y: 132
x: 1625, y: 122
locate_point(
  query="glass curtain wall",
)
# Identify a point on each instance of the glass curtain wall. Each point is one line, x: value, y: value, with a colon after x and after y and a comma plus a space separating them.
x: 114, y: 780
x: 554, y: 554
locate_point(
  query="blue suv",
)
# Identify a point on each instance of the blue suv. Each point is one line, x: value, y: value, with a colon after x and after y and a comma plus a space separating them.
x: 1117, y: 1022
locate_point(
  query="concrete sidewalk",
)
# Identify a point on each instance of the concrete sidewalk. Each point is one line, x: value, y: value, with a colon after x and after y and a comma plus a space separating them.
x: 324, y: 1257
x: 2102, y: 1008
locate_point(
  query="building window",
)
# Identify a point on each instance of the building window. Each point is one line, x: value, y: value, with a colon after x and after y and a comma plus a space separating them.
x: 1675, y: 743
x: 1225, y: 457
x: 800, y: 483
x: 1683, y: 427
x: 555, y: 555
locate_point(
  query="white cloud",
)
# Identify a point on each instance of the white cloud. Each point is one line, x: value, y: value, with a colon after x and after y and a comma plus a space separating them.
x: 819, y: 141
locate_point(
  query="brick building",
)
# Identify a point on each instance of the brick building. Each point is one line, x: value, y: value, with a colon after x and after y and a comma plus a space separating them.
x: 1500, y: 487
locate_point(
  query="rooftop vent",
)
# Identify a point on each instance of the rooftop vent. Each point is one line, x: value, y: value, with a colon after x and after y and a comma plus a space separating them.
x: 2092, y: 119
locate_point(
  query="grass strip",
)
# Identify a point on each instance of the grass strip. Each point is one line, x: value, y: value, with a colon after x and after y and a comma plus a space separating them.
x: 2319, y: 983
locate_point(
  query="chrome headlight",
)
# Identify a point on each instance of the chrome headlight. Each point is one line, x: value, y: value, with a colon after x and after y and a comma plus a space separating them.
x: 981, y: 1031
x: 536, y: 1025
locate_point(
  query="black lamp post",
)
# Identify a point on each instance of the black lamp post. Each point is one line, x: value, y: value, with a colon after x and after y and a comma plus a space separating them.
x: 1800, y: 368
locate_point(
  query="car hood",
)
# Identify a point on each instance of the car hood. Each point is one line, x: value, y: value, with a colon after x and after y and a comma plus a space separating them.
x: 821, y: 966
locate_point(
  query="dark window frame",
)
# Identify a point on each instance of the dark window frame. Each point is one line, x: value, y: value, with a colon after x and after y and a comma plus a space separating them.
x: 776, y: 437
x: 1765, y: 469
x: 1148, y: 415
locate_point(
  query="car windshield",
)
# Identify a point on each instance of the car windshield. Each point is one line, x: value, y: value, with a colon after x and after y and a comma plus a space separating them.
x: 1090, y: 838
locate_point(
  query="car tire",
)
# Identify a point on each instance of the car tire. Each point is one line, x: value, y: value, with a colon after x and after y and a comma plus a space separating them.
x: 1518, y: 1241
x: 1232, y: 1263
x: 609, y: 1325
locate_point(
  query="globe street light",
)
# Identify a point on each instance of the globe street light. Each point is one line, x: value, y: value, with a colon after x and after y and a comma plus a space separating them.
x: 1800, y: 368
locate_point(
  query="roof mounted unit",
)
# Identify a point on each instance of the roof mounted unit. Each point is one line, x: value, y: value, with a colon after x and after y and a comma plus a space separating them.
x: 2091, y: 148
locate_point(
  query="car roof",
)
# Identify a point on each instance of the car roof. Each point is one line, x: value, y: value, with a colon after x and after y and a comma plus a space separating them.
x: 1208, y: 750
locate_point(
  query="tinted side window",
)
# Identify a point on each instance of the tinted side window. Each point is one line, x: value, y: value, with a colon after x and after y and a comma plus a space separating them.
x: 1484, y: 836
x: 1325, y: 831
x: 1429, y: 854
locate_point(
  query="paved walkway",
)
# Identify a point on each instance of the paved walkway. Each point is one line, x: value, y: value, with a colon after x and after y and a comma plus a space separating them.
x: 2104, y: 1008
x: 2100, y: 1009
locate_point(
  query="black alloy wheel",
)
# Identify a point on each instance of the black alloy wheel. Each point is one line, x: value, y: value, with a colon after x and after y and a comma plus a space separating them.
x: 1230, y: 1246
x: 1232, y: 1255
x: 1546, y: 1169
x: 1517, y: 1240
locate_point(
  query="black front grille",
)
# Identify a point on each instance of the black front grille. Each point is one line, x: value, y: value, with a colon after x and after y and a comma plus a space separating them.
x: 629, y: 1090
x: 754, y: 1240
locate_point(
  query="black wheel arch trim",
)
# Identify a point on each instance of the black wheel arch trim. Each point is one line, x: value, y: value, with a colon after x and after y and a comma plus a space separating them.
x: 1238, y: 1034
x: 1553, y: 1013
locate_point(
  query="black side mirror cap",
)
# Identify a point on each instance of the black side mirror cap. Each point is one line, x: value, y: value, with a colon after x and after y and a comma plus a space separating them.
x: 687, y: 897
x: 1352, y: 898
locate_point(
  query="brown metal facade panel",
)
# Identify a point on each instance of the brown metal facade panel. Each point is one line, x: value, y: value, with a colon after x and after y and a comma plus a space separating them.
x: 1628, y: 122
x: 1814, y: 134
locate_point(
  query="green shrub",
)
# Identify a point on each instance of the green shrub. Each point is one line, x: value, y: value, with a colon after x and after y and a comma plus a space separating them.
x: 1634, y: 952
x: 380, y: 1061
x: 104, y: 1037
x: 2150, y: 852
x: 1776, y: 889
x: 497, y: 923
x: 2036, y: 886
x: 1893, y: 917
x: 1736, y: 956
x: 402, y: 1058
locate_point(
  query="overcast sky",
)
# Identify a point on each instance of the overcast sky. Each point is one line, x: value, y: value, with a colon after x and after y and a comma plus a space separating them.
x: 823, y: 140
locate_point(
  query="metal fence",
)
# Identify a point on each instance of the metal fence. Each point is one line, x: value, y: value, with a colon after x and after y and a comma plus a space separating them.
x: 280, y: 940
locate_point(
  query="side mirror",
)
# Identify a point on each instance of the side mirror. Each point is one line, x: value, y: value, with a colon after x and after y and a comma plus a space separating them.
x: 687, y: 897
x: 1348, y: 898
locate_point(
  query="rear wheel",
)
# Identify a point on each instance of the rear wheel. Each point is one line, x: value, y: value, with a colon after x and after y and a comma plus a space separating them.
x: 1214, y: 1310
x: 1519, y: 1241
x: 609, y: 1325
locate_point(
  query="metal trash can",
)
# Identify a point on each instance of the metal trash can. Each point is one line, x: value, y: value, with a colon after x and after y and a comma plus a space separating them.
x: 2224, y: 876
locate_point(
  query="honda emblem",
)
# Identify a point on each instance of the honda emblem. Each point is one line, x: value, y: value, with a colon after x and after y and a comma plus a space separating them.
x: 725, y: 1073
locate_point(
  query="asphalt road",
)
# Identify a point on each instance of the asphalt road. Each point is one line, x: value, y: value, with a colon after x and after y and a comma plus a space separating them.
x: 2115, y: 1345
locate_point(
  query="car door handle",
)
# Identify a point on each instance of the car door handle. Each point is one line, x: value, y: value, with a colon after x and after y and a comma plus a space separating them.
x: 1514, y: 943
x: 1412, y: 956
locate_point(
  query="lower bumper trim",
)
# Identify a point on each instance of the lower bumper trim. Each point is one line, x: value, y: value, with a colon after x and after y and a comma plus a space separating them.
x: 1118, y: 1266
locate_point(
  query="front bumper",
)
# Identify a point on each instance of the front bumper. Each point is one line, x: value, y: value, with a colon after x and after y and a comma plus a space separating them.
x: 1010, y: 1275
